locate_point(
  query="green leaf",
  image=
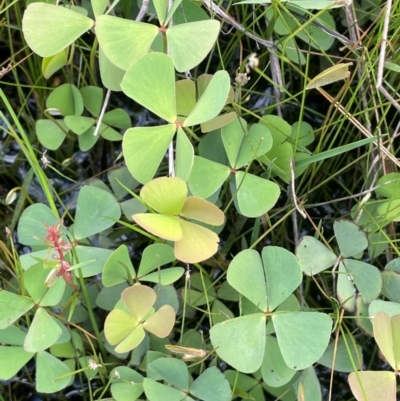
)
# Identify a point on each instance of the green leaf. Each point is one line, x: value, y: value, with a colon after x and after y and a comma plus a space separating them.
x: 306, y: 4
x: 255, y: 196
x: 185, y: 96
x: 124, y: 41
x: 232, y: 137
x: 314, y: 257
x: 197, y: 244
x: 12, y: 335
x: 346, y: 291
x: 173, y: 371
x: 161, y: 9
x: 337, y: 355
x: 12, y: 306
x: 278, y: 127
x: 92, y: 99
x: 351, y: 239
x: 211, y: 385
x: 165, y: 276
x: 144, y: 148
x: 246, y: 275
x: 212, y: 101
x: 165, y: 194
x: 377, y: 386
x: 96, y: 211
x: 390, y: 308
x: 48, y: 29
x: 190, y: 43
x: 50, y: 65
x: 257, y: 142
x: 48, y: 371
x: 302, y: 337
x: 283, y: 274
x: 366, y: 277
x: 207, y: 177
x: 245, y: 349
x: 302, y: 133
x: 391, y: 285
x: 79, y: 124
x: 389, y: 185
x: 155, y: 256
x: 111, y: 75
x: 12, y: 359
x: 159, y: 392
x: 151, y: 82
x: 118, y: 268
x: 43, y: 332
x: 67, y: 99
x: 307, y: 385
x: 51, y: 135
x: 274, y: 370
x: 184, y: 156
x: 34, y: 280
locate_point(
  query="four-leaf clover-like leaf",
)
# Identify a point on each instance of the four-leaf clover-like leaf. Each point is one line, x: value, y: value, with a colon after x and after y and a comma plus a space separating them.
x: 128, y: 329
x: 168, y: 196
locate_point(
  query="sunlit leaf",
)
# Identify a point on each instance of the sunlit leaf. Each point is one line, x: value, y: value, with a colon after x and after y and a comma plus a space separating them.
x: 144, y: 148
x: 131, y: 341
x: 12, y: 306
x: 12, y: 359
x: 118, y: 325
x: 151, y: 82
x: 190, y: 43
x: 124, y: 41
x: 184, y: 156
x: 48, y: 29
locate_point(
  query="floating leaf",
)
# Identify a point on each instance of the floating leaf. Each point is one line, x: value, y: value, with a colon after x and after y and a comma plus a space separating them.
x: 48, y: 29
x: 302, y: 337
x: 245, y: 349
x: 333, y: 74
